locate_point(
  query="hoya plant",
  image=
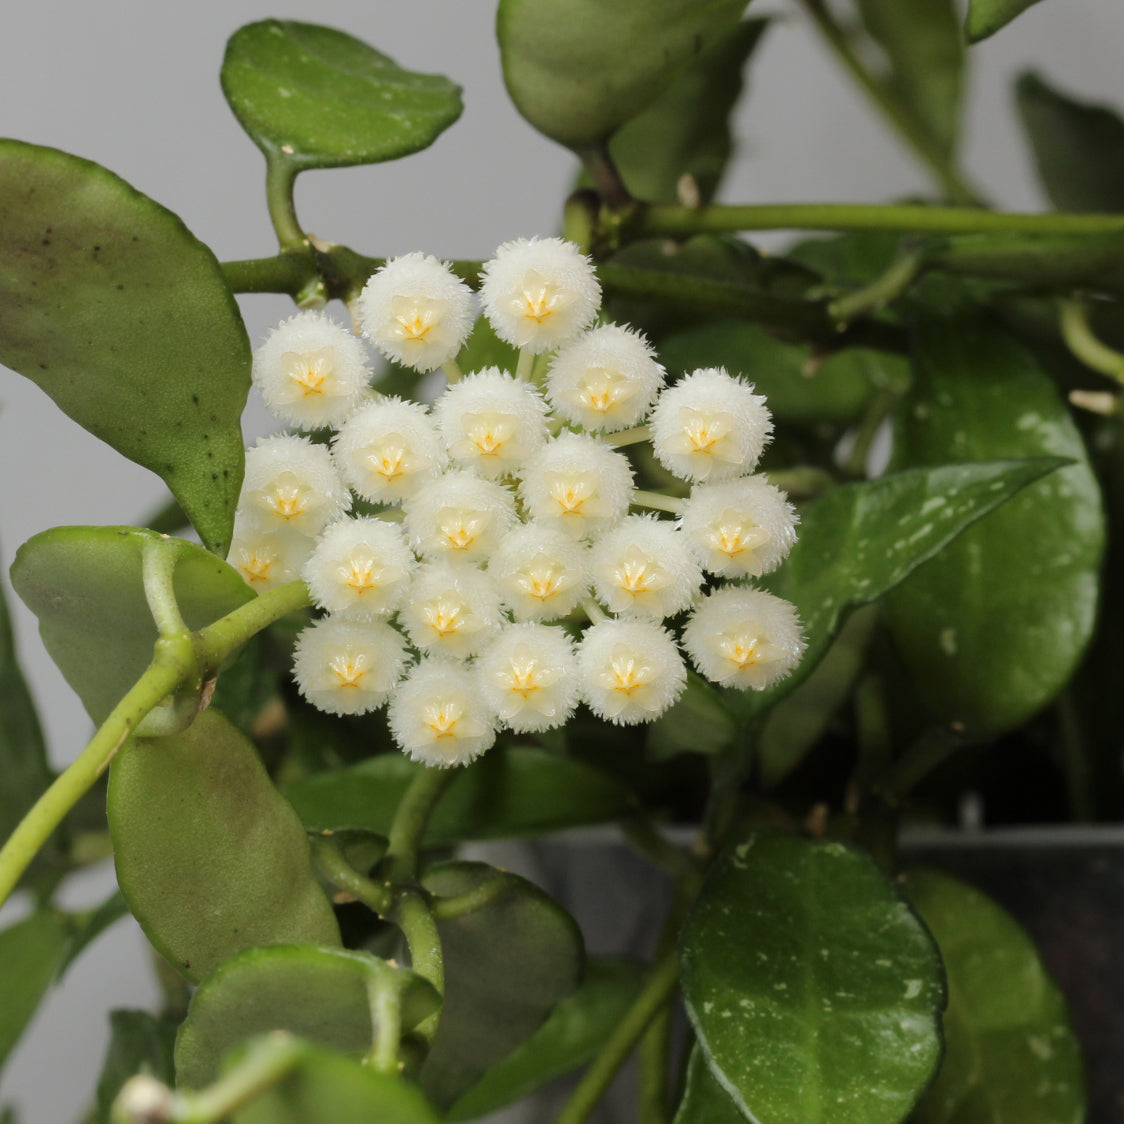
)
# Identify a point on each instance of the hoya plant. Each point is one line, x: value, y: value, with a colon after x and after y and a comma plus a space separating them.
x: 758, y: 560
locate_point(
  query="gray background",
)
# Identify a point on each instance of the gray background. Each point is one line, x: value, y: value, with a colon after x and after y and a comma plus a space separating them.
x: 133, y: 84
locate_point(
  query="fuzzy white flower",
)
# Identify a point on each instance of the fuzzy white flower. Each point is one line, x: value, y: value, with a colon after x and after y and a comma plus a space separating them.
x: 744, y: 638
x: 539, y: 292
x: 360, y: 568
x: 741, y: 528
x: 267, y: 558
x: 416, y: 311
x: 710, y: 426
x: 310, y: 371
x: 290, y: 483
x: 606, y: 379
x: 644, y: 565
x: 540, y: 571
x: 491, y: 421
x: 348, y: 667
x: 459, y: 514
x: 437, y: 715
x: 631, y: 670
x: 386, y: 450
x: 577, y: 484
x: 528, y: 674
x: 452, y: 609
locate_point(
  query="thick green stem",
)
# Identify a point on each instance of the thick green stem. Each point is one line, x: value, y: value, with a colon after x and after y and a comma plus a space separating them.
x: 655, y: 993
x: 158, y: 565
x: 330, y: 861
x: 672, y: 221
x: 172, y: 665
x: 651, y: 1094
x: 903, y: 271
x: 895, y: 113
x: 412, y: 816
x: 280, y: 176
x: 219, y: 640
x: 385, y: 999
x: 445, y: 909
x: 657, y: 501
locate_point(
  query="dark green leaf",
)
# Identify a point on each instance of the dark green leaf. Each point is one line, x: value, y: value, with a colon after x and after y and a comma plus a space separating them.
x: 798, y: 722
x: 704, y: 1100
x: 210, y: 857
x: 996, y: 627
x: 110, y: 305
x: 316, y: 993
x: 568, y: 1039
x: 517, y: 790
x: 23, y: 755
x: 317, y: 98
x: 876, y: 533
x: 700, y: 721
x: 848, y: 260
x: 506, y: 965
x: 686, y: 131
x: 579, y: 69
x: 986, y: 17
x: 85, y: 928
x: 1078, y: 147
x: 30, y: 953
x: 922, y: 43
x: 139, y: 1043
x: 1010, y: 1054
x: 325, y: 1087
x: 85, y: 586
x: 814, y: 990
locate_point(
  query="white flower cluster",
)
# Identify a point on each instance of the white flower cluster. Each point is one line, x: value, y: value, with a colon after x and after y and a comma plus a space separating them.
x: 504, y: 522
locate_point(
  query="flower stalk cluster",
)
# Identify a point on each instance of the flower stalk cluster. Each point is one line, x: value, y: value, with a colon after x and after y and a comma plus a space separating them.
x: 489, y: 563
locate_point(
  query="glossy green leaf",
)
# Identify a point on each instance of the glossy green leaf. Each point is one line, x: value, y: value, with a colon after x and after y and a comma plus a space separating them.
x: 814, y: 990
x: 923, y: 47
x: 30, y: 953
x: 316, y: 993
x: 876, y: 533
x: 210, y: 857
x: 509, y: 792
x: 506, y: 966
x: 1078, y: 147
x: 23, y: 754
x: 848, y: 260
x: 994, y: 629
x: 84, y: 584
x: 986, y: 17
x: 704, y: 1100
x: 139, y: 1043
x: 1011, y: 1056
x: 324, y: 1087
x: 568, y: 1039
x: 125, y: 319
x: 317, y: 98
x: 579, y: 69
x: 686, y: 131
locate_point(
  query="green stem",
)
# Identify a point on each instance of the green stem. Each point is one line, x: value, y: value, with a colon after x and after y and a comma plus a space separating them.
x: 594, y: 611
x: 262, y: 1067
x: 803, y: 481
x: 643, y: 837
x: 219, y: 640
x: 445, y: 909
x: 895, y: 113
x: 878, y: 410
x: 641, y: 498
x: 173, y: 663
x: 453, y: 372
x: 655, y: 993
x: 280, y: 176
x: 673, y: 221
x: 158, y: 564
x: 286, y: 273
x: 651, y: 1094
x: 411, y: 818
x: 385, y: 999
x: 413, y: 915
x: 632, y: 436
x: 931, y: 749
x: 331, y: 863
x: 525, y: 364
x: 1082, y: 341
x: 903, y: 271
x: 1075, y: 760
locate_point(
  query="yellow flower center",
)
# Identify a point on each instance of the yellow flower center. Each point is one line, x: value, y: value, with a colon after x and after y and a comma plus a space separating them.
x: 288, y: 501
x: 257, y: 566
x: 442, y: 719
x: 349, y: 669
x: 458, y: 530
x: 733, y: 535
x: 542, y: 578
x: 445, y: 616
